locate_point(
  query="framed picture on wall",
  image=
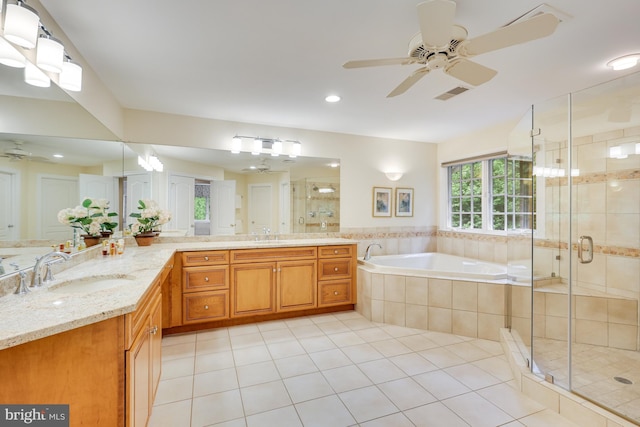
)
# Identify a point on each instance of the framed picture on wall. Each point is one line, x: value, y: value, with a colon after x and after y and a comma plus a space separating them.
x: 404, y: 201
x: 382, y: 200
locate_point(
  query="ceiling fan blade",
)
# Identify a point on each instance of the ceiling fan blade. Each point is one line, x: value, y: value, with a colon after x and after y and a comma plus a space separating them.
x: 408, y: 82
x: 378, y: 62
x: 436, y: 23
x: 522, y: 32
x: 470, y: 72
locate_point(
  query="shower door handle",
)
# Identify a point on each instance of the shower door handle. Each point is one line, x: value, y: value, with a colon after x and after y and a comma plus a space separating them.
x: 581, y: 249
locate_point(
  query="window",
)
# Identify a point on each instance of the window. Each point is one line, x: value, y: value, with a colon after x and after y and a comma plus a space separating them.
x: 202, y: 201
x: 493, y: 194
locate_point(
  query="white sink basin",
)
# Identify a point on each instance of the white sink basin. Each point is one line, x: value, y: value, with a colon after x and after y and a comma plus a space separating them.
x: 92, y: 283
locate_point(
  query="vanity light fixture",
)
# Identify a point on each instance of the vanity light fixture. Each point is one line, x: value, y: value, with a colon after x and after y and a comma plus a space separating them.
x: 393, y: 176
x: 21, y: 24
x: 273, y: 146
x: 71, y: 75
x: 624, y: 62
x: 49, y: 53
x: 10, y: 56
x: 35, y: 76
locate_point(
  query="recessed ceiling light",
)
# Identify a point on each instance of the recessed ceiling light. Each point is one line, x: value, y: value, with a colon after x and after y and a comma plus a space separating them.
x: 58, y: 156
x: 624, y: 62
x: 332, y: 98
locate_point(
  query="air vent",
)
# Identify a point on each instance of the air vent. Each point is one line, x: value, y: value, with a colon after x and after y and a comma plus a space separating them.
x: 451, y: 93
x: 539, y: 10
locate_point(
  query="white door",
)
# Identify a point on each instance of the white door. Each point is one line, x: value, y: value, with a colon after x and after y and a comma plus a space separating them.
x: 181, y: 203
x: 56, y: 193
x: 138, y: 186
x: 285, y: 208
x: 9, y: 206
x: 260, y: 207
x: 100, y: 187
x: 223, y: 207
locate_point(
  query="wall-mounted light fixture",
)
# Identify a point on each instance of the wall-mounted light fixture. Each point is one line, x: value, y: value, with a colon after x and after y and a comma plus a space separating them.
x: 35, y: 76
x: 23, y: 28
x: 272, y: 146
x: 151, y: 163
x: 393, y: 176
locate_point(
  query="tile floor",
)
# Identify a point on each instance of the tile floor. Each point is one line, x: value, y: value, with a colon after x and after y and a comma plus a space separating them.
x: 337, y: 370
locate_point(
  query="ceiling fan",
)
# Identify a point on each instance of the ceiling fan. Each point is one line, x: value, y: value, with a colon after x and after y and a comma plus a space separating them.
x: 262, y: 167
x: 441, y: 44
x: 17, y: 153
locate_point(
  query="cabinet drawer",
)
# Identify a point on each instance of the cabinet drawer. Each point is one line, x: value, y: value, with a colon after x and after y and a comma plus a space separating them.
x: 273, y: 254
x: 196, y: 279
x: 205, y: 258
x: 334, y: 292
x: 334, y: 268
x: 342, y: 251
x: 205, y: 306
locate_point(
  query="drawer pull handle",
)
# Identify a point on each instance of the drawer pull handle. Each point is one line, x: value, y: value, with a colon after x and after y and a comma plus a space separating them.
x: 206, y: 278
x: 335, y: 269
x: 335, y: 292
x: 206, y: 307
x: 206, y: 258
x: 153, y: 330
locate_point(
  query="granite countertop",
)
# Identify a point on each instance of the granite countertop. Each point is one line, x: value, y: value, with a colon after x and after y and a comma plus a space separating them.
x: 52, y: 309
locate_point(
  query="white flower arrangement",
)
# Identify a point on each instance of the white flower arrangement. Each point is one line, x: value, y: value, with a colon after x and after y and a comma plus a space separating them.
x: 91, y: 216
x: 150, y: 217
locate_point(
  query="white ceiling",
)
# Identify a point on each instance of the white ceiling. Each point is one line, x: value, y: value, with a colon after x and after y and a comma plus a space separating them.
x: 273, y: 62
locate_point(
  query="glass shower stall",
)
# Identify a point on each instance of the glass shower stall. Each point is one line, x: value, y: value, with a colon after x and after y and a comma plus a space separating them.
x: 575, y: 311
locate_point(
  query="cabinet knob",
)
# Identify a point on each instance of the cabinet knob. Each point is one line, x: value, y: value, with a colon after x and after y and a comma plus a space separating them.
x: 335, y: 269
x: 335, y: 251
x: 274, y: 270
x: 153, y: 330
x: 206, y: 278
x: 206, y: 258
x: 335, y: 292
x: 206, y: 307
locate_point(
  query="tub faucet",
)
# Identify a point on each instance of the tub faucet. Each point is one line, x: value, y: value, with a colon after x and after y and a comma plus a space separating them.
x: 37, y: 273
x: 367, y: 253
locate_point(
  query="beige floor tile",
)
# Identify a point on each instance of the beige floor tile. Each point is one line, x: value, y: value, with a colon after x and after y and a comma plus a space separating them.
x: 249, y: 355
x: 472, y: 376
x: 177, y: 368
x: 373, y: 334
x: 346, y: 378
x: 213, y: 361
x: 367, y: 403
x: 468, y: 351
x: 277, y: 335
x: 178, y: 351
x: 380, y: 371
x: 296, y: 365
x: 333, y: 327
x: 314, y: 344
x: 441, y: 384
x: 496, y: 366
x: 243, y: 329
x: 264, y: 397
x: 441, y: 357
x: 213, y: 345
x: 515, y: 404
x: 257, y: 373
x: 178, y: 339
x: 281, y: 417
x: 324, y: 412
x: 214, y: 382
x: 284, y: 349
x: 272, y: 325
x: 546, y: 418
x: 329, y: 359
x: 434, y: 415
x: 246, y: 340
x: 323, y: 318
x: 174, y: 390
x: 413, y: 363
x: 171, y: 414
x: 417, y: 342
x: 362, y: 353
x: 210, y: 334
x: 393, y: 420
x: 391, y: 347
x: 345, y: 339
x: 307, y: 387
x: 405, y: 393
x: 228, y: 407
x: 307, y: 331
x: 477, y: 411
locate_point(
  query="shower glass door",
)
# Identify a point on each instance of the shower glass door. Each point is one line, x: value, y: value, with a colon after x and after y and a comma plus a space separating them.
x: 605, y: 234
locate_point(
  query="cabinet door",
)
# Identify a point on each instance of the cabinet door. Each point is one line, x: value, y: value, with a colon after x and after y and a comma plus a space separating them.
x: 253, y: 289
x: 296, y: 285
x: 156, y: 349
x: 138, y: 376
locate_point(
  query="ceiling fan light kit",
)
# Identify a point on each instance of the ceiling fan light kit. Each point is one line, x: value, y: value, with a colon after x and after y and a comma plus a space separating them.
x: 443, y: 45
x: 22, y: 27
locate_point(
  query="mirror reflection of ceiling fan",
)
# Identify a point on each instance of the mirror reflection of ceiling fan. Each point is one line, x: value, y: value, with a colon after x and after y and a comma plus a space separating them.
x: 441, y: 44
x: 18, y: 153
x: 262, y: 167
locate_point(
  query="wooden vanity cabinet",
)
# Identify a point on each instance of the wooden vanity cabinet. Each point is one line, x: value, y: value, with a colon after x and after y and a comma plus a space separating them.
x: 205, y: 286
x: 143, y: 340
x: 272, y: 280
x: 336, y: 275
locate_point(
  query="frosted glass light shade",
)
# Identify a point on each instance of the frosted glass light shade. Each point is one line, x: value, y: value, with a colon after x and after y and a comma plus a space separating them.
x: 50, y: 54
x: 71, y: 76
x: 296, y: 149
x: 276, y: 148
x: 10, y: 56
x: 21, y: 24
x: 236, y: 145
x: 257, y: 147
x: 35, y: 76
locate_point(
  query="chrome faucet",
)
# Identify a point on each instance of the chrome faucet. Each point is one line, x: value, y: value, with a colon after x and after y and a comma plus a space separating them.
x: 37, y: 273
x: 367, y: 253
x: 266, y: 231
